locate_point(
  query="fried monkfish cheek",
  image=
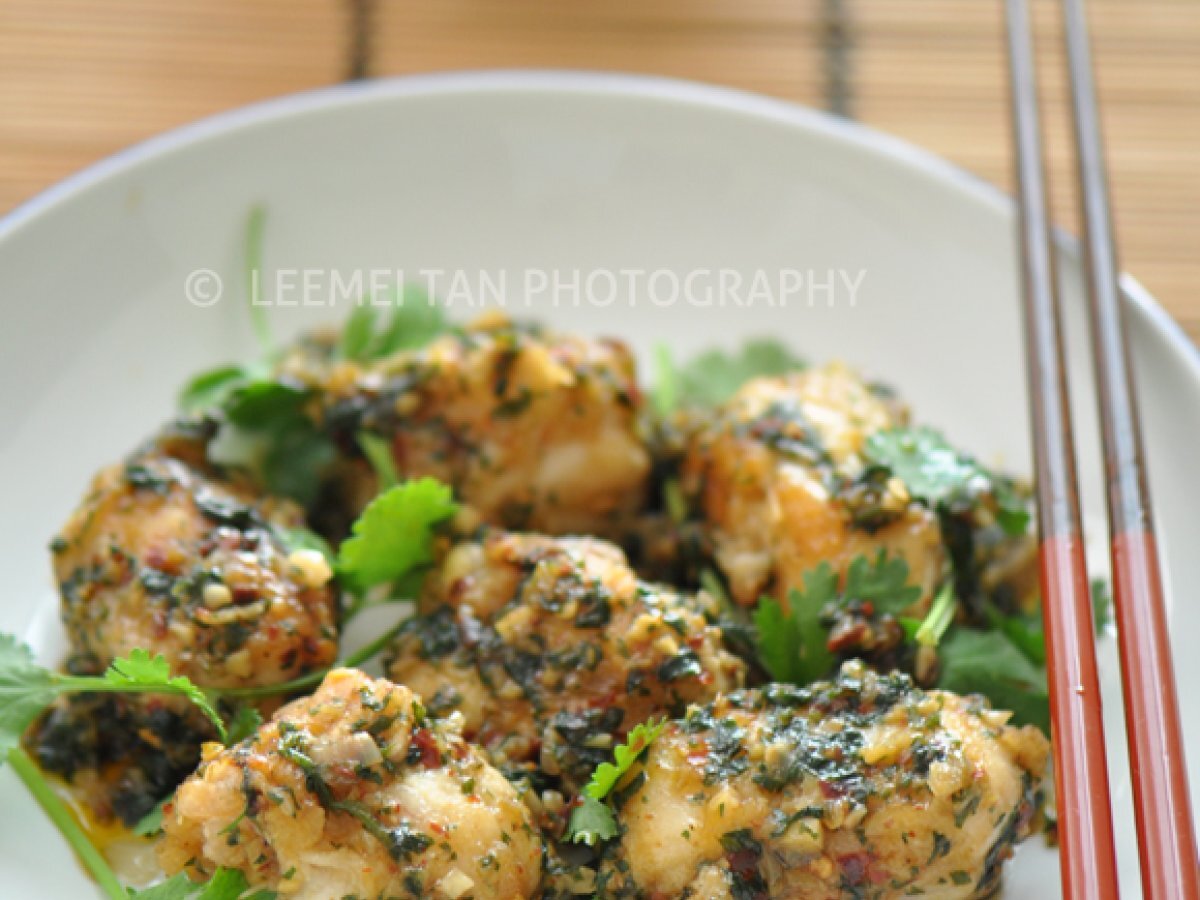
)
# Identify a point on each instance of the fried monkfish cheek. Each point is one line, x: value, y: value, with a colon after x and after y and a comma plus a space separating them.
x: 355, y: 791
x: 863, y: 786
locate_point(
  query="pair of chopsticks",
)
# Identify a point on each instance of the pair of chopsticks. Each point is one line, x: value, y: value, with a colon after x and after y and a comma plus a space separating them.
x: 1166, y: 839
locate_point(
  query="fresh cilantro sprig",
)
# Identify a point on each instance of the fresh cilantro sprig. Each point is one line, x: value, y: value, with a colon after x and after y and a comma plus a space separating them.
x: 937, y: 473
x: 26, y: 688
x: 265, y: 428
x: 715, y: 376
x: 264, y: 424
x: 593, y: 820
x: 792, y: 641
x: 882, y: 581
x: 407, y: 320
x: 1006, y: 663
x: 394, y: 535
x: 974, y: 661
x: 390, y: 543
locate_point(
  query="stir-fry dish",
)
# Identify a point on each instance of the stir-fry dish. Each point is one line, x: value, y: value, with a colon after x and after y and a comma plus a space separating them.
x: 739, y: 631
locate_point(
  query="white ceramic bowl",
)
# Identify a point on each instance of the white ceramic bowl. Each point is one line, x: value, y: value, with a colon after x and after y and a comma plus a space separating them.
x: 547, y: 172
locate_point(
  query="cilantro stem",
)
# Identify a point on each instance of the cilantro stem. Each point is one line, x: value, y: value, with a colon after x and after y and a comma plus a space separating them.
x: 941, y: 615
x: 666, y: 381
x: 379, y: 454
x: 92, y: 684
x: 258, y: 310
x: 91, y: 857
x: 312, y: 679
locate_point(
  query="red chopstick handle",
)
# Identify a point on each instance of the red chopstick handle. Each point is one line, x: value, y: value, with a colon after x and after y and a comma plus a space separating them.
x: 1170, y: 868
x: 1075, y: 709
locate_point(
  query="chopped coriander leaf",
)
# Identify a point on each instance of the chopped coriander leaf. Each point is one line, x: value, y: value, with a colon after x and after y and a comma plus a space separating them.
x: 715, y: 376
x: 937, y: 473
x: 409, y: 319
x: 988, y: 663
x: 394, y: 535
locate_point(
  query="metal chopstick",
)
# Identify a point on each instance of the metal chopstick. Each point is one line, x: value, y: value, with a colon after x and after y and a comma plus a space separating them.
x: 1087, y: 856
x: 1162, y: 803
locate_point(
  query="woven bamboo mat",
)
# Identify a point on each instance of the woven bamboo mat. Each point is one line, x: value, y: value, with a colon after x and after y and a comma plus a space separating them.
x: 82, y: 78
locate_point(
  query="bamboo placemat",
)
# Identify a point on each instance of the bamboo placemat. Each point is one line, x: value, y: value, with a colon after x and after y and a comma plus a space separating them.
x: 80, y: 79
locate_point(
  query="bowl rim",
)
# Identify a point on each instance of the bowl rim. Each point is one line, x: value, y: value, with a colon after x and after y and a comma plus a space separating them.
x: 593, y: 83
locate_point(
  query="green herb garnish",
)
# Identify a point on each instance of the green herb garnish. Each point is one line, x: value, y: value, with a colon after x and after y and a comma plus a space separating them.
x: 26, y: 688
x: 715, y: 376
x: 792, y: 643
x: 937, y: 473
x: 394, y: 535
x: 377, y: 330
x: 593, y: 820
x: 989, y: 663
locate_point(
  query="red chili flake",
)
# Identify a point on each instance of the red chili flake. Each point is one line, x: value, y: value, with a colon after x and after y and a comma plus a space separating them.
x: 830, y: 791
x: 229, y: 538
x: 698, y: 755
x: 854, y: 867
x: 861, y: 868
x: 438, y: 828
x: 743, y: 862
x: 425, y: 742
x: 847, y: 637
x: 605, y: 700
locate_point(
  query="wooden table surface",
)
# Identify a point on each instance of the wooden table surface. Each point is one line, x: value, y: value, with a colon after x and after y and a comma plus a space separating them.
x: 80, y: 79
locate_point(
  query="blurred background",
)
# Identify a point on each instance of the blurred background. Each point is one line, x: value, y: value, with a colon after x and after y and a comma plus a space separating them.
x: 80, y: 79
